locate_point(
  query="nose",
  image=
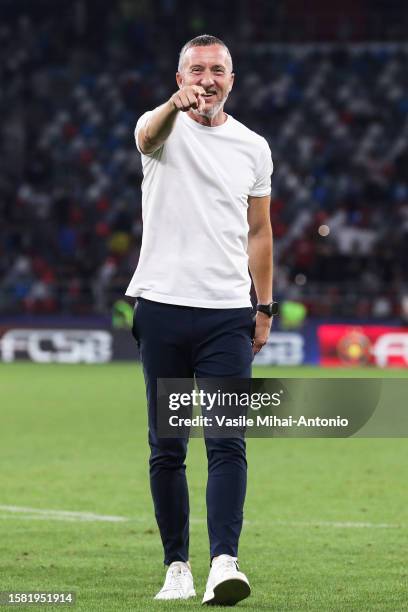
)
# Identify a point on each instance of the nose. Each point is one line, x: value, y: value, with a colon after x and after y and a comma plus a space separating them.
x: 207, y: 79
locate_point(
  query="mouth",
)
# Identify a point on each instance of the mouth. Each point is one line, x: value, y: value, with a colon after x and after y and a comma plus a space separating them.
x: 209, y: 94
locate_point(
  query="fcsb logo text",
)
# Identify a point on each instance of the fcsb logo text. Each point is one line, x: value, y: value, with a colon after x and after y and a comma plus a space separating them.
x: 283, y: 349
x: 56, y: 345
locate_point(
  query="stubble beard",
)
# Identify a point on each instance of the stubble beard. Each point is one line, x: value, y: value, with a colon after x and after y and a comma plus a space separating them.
x: 213, y: 110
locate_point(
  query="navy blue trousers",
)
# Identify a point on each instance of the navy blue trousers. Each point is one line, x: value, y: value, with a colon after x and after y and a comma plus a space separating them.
x: 183, y: 342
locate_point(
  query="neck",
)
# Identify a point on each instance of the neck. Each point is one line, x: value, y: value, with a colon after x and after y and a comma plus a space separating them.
x: 215, y: 121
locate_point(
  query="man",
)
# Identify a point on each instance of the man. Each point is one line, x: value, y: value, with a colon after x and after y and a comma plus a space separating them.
x: 206, y: 198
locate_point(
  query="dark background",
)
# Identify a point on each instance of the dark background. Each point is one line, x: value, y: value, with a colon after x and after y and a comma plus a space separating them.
x: 327, y: 87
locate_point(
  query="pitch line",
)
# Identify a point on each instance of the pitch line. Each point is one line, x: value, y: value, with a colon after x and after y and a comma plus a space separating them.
x: 308, y: 524
x: 336, y: 524
x: 58, y: 515
x: 25, y: 513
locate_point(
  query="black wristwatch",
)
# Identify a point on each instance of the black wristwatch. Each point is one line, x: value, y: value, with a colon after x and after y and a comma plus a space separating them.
x: 271, y: 310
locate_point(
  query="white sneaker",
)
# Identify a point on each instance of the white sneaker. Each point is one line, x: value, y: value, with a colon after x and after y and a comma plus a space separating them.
x: 226, y: 585
x: 178, y: 583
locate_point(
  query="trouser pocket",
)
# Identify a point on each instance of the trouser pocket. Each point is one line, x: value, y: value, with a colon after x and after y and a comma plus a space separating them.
x: 135, y: 331
x: 253, y: 317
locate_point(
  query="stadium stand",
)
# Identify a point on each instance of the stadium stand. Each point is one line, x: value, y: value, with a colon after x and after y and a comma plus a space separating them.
x: 335, y: 113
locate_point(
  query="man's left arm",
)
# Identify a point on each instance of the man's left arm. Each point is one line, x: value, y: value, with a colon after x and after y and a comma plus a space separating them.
x: 260, y: 254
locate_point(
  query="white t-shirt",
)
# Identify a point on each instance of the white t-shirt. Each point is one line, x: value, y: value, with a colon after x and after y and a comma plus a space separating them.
x: 194, y: 205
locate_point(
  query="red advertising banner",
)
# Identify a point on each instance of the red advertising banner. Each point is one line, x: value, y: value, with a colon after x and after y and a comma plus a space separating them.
x: 376, y: 345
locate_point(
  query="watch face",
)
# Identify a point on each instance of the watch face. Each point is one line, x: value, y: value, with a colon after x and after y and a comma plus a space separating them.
x: 271, y: 309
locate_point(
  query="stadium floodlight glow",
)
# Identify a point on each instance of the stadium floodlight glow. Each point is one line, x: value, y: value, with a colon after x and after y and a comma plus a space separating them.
x: 324, y: 230
x: 300, y: 279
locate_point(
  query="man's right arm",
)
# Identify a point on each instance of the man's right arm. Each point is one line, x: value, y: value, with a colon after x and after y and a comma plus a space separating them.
x: 161, y: 122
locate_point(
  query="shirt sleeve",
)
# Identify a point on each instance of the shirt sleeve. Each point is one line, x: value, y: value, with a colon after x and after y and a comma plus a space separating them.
x: 264, y: 169
x: 139, y: 125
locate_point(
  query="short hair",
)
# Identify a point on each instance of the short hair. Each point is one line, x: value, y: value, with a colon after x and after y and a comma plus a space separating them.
x: 204, y: 40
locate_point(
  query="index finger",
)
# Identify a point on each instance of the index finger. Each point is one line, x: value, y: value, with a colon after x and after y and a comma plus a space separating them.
x: 201, y: 103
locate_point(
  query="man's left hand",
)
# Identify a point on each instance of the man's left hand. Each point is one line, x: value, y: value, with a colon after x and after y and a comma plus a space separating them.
x: 262, y: 330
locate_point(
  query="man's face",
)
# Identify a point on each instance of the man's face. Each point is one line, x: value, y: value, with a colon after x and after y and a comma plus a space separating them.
x: 210, y: 67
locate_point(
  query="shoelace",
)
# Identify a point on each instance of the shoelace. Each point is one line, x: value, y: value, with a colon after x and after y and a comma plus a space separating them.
x: 174, y: 578
x: 227, y: 565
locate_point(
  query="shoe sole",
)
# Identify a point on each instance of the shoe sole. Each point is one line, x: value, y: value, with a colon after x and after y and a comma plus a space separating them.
x: 188, y: 596
x: 229, y: 592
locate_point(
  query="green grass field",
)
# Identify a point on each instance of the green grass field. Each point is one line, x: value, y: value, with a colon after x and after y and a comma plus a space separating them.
x: 326, y: 519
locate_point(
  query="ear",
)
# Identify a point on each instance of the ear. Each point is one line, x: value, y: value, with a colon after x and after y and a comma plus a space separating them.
x: 179, y: 79
x: 232, y: 80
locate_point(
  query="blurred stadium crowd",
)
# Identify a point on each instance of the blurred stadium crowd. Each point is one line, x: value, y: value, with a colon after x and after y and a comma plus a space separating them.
x: 72, y: 86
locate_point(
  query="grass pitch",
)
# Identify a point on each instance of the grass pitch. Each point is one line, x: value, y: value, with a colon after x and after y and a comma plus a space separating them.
x: 326, y: 519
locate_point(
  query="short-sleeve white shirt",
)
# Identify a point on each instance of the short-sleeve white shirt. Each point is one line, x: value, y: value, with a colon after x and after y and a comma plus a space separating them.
x: 194, y: 206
